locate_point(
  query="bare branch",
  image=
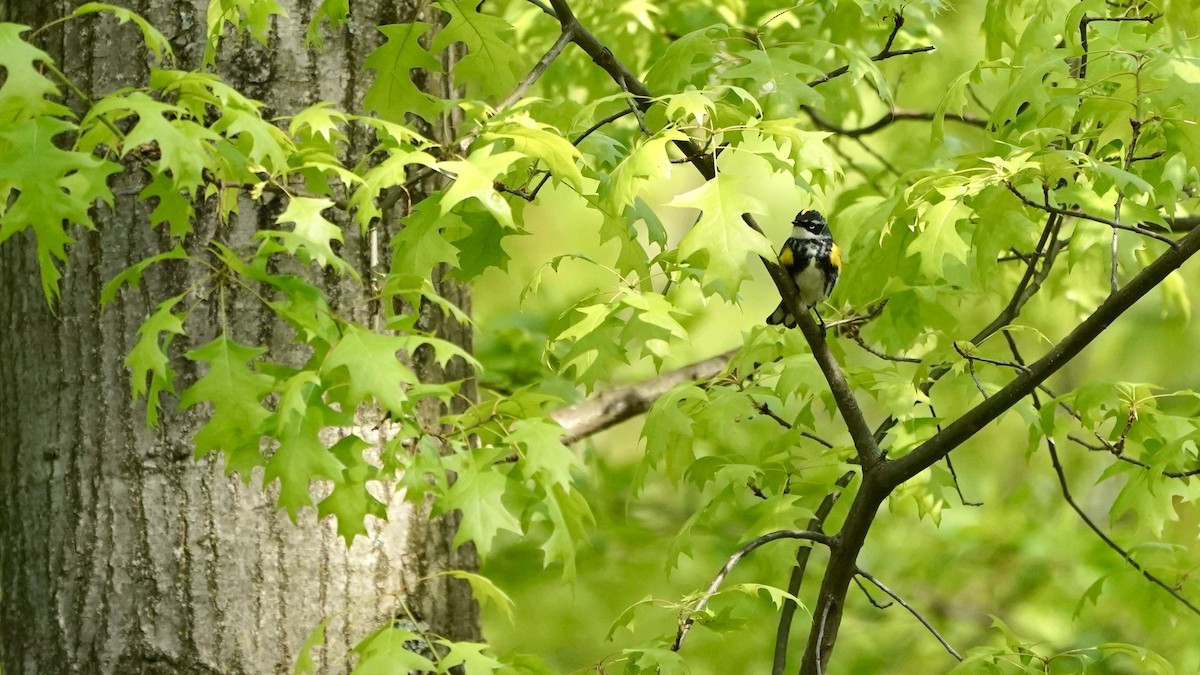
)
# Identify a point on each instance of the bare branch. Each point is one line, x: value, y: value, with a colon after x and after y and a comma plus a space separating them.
x: 538, y: 69
x: 1087, y: 216
x: 886, y: 357
x: 889, y: 118
x: 899, y: 600
x: 614, y: 406
x: 1087, y: 21
x: 957, y: 487
x: 885, y: 53
x: 686, y: 625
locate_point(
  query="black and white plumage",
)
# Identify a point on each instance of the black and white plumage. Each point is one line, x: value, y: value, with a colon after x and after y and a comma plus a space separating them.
x: 814, y: 262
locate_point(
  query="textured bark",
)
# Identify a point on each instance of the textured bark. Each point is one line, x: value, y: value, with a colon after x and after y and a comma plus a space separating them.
x: 118, y: 552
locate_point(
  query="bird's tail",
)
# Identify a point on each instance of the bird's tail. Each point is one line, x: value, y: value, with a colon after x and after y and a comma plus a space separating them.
x: 782, y: 316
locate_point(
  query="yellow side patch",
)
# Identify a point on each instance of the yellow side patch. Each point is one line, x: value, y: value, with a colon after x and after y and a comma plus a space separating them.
x: 835, y: 257
x: 786, y: 257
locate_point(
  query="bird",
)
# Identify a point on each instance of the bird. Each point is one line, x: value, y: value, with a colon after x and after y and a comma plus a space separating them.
x: 814, y: 262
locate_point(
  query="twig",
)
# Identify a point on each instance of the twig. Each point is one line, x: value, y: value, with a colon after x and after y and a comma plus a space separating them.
x: 1120, y: 455
x: 1135, y: 126
x: 1087, y: 21
x: 885, y: 53
x: 788, y: 612
x: 874, y: 603
x: 886, y: 357
x: 821, y: 637
x: 538, y: 69
x: 808, y: 535
x: 1087, y: 216
x: 957, y: 488
x: 766, y: 410
x: 1062, y: 482
x: 641, y: 120
x: 614, y: 406
x: 892, y: 116
x: 899, y: 600
x: 579, y: 139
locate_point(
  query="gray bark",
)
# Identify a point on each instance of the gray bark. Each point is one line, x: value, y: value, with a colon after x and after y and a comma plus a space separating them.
x: 119, y: 553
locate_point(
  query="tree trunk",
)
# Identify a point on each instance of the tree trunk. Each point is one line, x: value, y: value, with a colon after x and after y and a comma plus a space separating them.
x: 118, y: 552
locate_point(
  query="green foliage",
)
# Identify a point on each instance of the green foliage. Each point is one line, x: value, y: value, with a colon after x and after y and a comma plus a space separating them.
x: 974, y: 186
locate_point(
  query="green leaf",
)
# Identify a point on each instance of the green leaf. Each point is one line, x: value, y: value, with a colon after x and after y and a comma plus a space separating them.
x: 492, y: 62
x: 1147, y: 660
x: 148, y: 359
x: 389, y: 651
x: 776, y: 72
x: 541, y: 142
x: 310, y: 239
x: 253, y: 16
x: 392, y: 94
x: 350, y: 501
x: 235, y: 392
x: 485, y: 590
x: 304, y: 659
x: 468, y: 655
x: 478, y: 493
x: 648, y: 160
x: 937, y: 236
x: 721, y: 241
x: 571, y: 518
x: 482, y: 248
x: 173, y: 208
x: 301, y: 456
x: 474, y: 178
x: 778, y: 595
x: 372, y: 368
x: 47, y: 189
x: 544, y: 457
x: 25, y: 91
x: 155, y: 40
x: 389, y: 173
x: 133, y: 274
x: 684, y: 58
x: 336, y: 12
x: 186, y: 147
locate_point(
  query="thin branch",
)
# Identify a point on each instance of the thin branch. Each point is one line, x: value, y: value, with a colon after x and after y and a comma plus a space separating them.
x: 1087, y: 21
x: 579, y: 139
x: 686, y: 626
x: 1120, y: 455
x: 981, y: 415
x: 1136, y: 132
x: 820, y: 662
x: 1062, y: 482
x: 957, y: 488
x: 766, y: 410
x: 1087, y: 216
x: 538, y: 69
x: 885, y: 53
x: 995, y: 362
x: 899, y: 600
x: 886, y: 357
x: 870, y: 598
x: 889, y: 118
x: 609, y: 408
x: 788, y: 612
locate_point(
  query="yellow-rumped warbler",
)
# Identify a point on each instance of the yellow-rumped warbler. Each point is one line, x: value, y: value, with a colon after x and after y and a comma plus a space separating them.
x: 813, y: 261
